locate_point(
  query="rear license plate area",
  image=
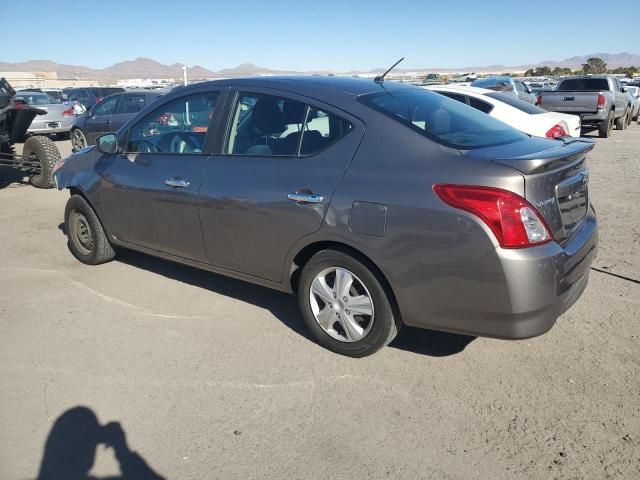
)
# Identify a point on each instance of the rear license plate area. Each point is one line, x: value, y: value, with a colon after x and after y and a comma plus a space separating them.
x: 53, y: 124
x: 573, y: 199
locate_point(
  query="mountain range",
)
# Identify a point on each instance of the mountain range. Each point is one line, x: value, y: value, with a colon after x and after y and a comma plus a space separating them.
x: 148, y: 68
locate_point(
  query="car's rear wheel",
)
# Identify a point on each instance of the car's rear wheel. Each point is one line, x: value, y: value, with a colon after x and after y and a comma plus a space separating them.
x: 78, y: 140
x: 604, y: 130
x: 621, y: 122
x: 87, y: 239
x: 345, y: 304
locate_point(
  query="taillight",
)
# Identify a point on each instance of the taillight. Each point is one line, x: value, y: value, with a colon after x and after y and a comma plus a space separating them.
x: 601, y: 101
x: 19, y: 104
x: 558, y: 131
x: 68, y: 112
x: 539, y: 100
x: 513, y: 220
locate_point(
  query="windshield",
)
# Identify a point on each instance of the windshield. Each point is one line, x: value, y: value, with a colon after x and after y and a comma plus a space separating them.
x: 442, y: 119
x: 36, y: 98
x: 515, y: 102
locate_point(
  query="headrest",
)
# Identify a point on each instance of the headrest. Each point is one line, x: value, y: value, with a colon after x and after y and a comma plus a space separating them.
x: 439, y: 122
x: 267, y: 117
x: 293, y: 112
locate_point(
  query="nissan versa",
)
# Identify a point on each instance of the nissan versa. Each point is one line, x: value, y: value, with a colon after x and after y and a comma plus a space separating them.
x: 379, y: 204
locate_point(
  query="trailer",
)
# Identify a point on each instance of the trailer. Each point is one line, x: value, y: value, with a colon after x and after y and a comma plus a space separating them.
x: 39, y: 153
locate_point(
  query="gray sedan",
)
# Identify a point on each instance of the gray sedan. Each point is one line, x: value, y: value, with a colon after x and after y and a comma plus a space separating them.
x: 58, y: 119
x: 378, y: 204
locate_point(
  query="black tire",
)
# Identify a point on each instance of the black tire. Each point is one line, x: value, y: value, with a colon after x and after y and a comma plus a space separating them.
x: 621, y: 122
x: 78, y: 140
x: 86, y: 238
x: 47, y: 154
x: 384, y: 323
x: 605, y: 127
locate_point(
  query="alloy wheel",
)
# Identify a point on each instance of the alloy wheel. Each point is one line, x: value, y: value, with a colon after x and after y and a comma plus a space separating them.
x: 341, y: 304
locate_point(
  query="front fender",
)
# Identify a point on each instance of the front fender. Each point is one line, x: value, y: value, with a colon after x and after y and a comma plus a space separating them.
x: 80, y: 171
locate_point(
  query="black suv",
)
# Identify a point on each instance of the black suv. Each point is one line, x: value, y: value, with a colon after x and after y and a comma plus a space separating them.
x: 89, y: 96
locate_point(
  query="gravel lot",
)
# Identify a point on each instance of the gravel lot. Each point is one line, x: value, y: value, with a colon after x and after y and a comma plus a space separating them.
x: 213, y: 378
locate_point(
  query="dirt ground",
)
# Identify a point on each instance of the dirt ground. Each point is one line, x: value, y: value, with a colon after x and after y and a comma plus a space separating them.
x: 214, y: 378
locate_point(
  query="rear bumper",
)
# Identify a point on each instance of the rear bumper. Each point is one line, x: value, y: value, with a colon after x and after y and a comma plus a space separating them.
x: 593, y: 118
x: 45, y: 126
x: 510, y: 293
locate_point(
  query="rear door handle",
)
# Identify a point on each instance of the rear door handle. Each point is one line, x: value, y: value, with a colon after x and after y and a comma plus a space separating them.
x: 305, y: 197
x: 176, y: 183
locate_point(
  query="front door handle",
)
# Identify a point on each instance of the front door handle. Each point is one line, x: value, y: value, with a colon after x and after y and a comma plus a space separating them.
x: 176, y: 183
x: 305, y: 197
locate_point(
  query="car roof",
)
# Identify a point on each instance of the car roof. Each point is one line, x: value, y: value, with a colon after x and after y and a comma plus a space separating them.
x: 298, y: 84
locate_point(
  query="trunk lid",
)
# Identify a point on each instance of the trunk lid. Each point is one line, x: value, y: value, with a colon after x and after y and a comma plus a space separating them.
x: 570, y: 102
x: 556, y: 178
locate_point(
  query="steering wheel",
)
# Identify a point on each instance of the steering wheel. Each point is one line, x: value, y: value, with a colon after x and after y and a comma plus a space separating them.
x: 145, y: 146
x: 181, y: 143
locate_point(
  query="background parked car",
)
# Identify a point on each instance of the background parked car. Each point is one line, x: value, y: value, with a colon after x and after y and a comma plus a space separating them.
x: 527, y: 118
x: 598, y: 99
x: 506, y: 84
x: 634, y: 95
x: 89, y: 96
x: 58, y: 119
x: 537, y: 87
x: 108, y: 116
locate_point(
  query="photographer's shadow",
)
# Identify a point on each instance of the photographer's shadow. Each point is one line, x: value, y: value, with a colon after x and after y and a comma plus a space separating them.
x: 70, y: 449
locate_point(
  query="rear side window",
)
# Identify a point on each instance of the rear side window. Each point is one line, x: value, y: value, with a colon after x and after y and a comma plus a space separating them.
x: 321, y: 129
x: 515, y: 102
x: 455, y: 96
x: 110, y: 90
x: 268, y: 125
x: 484, y: 107
x: 584, y: 84
x: 131, y: 104
x: 441, y: 119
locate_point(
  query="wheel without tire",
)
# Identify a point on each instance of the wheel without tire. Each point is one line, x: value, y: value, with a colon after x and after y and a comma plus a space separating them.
x: 604, y: 130
x: 78, y: 140
x: 345, y: 304
x: 45, y: 151
x: 87, y: 239
x: 621, y: 122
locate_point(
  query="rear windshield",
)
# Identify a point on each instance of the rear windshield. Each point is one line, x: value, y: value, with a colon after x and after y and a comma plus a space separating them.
x: 442, y: 119
x: 492, y: 82
x: 36, y: 98
x: 109, y: 90
x: 583, y: 84
x: 515, y: 102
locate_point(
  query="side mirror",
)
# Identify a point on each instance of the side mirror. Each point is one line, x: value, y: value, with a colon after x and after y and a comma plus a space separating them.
x: 107, y: 143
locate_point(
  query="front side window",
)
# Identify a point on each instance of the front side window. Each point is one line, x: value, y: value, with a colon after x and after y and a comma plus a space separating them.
x: 484, y: 107
x: 177, y: 127
x: 442, y: 119
x: 106, y: 107
x: 131, y: 104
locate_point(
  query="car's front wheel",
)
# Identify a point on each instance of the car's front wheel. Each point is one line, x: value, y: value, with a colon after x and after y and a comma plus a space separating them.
x: 345, y: 304
x: 87, y: 239
x: 78, y: 140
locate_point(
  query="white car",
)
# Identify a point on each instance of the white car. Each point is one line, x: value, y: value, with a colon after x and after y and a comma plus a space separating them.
x: 519, y: 114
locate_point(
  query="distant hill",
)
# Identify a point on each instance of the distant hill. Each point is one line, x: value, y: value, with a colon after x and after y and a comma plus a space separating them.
x: 148, y: 68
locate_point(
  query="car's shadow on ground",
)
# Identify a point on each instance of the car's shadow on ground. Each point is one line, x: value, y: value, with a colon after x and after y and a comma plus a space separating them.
x: 11, y: 177
x: 284, y: 306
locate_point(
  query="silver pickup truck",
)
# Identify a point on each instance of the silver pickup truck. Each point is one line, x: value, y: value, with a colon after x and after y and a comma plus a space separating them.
x: 600, y: 101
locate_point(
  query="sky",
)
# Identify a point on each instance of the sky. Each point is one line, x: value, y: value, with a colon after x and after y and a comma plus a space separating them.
x: 323, y: 34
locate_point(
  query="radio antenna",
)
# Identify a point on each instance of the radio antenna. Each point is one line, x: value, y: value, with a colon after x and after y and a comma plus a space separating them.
x: 380, y: 78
